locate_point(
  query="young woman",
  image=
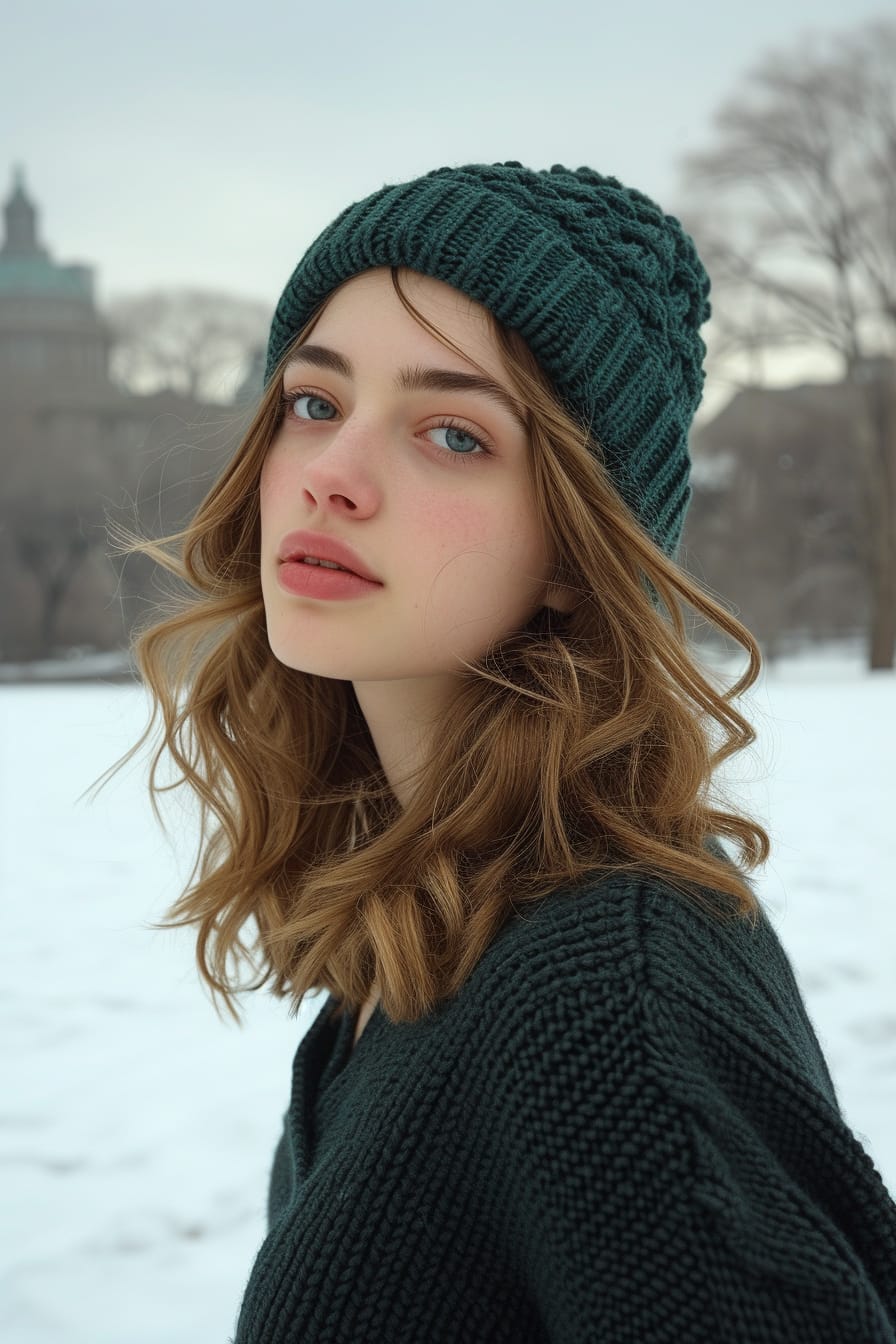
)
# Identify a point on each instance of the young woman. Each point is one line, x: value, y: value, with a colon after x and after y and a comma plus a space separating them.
x: 435, y: 693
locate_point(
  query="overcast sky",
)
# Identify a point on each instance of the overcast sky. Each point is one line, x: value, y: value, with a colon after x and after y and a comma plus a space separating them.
x: 208, y: 144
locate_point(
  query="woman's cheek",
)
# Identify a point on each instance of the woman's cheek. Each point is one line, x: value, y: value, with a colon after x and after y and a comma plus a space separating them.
x: 458, y: 523
x: 274, y: 484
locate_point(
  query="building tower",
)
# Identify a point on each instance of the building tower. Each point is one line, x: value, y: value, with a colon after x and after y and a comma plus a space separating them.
x: 49, y: 326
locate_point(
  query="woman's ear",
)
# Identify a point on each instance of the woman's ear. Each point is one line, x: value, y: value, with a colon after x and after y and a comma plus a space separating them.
x: 560, y: 597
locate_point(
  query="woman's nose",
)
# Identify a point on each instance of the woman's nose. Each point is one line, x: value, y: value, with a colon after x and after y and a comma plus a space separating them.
x: 342, y: 470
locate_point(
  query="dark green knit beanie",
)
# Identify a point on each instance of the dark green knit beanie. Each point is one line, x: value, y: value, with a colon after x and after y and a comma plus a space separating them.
x: 607, y: 290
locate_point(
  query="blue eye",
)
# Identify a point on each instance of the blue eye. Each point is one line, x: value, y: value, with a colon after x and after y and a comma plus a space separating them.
x: 314, y: 405
x: 453, y: 435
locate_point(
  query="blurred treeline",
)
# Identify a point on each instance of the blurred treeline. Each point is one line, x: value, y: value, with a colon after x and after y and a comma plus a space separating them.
x: 120, y: 416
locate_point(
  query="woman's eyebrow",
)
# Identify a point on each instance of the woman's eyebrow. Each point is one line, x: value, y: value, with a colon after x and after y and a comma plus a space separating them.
x: 416, y: 379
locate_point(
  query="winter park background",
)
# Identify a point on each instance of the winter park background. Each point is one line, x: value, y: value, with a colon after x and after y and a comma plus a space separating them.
x: 137, y: 1129
x: 140, y: 258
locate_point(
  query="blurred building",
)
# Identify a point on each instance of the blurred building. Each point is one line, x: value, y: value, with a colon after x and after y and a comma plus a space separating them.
x: 77, y: 450
x: 49, y: 325
x: 779, y: 523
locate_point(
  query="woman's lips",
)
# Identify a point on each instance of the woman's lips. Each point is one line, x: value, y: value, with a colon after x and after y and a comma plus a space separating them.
x: 318, y: 581
x: 296, y: 545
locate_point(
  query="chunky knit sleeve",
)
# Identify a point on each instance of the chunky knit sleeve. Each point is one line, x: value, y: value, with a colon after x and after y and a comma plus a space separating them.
x: 679, y: 1175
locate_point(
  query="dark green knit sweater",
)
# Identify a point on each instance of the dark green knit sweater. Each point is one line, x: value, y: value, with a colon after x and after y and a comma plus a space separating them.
x: 621, y: 1131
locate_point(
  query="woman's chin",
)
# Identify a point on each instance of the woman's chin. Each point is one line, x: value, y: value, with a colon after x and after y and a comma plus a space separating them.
x: 300, y: 662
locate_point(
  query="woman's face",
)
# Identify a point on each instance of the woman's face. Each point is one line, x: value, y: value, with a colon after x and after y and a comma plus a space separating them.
x: 428, y: 485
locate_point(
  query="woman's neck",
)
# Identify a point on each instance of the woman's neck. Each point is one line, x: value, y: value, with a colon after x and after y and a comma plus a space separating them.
x: 401, y: 716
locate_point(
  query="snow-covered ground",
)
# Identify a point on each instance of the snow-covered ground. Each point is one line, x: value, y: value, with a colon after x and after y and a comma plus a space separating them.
x: 137, y: 1128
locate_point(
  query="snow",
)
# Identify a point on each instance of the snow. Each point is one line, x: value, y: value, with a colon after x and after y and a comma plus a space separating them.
x: 137, y: 1128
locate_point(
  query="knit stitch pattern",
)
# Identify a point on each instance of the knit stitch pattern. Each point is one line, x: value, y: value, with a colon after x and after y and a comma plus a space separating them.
x: 622, y: 1130
x: 606, y: 289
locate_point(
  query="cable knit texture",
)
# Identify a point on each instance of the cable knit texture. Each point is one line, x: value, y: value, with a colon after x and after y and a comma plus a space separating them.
x: 607, y: 290
x: 621, y: 1131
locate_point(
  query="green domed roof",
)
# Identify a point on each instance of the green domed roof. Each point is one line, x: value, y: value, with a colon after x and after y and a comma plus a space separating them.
x: 26, y: 267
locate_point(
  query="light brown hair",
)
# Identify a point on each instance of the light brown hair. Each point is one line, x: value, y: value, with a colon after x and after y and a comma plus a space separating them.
x: 580, y: 745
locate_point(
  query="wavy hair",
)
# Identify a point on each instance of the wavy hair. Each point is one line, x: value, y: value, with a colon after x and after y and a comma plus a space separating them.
x: 583, y: 744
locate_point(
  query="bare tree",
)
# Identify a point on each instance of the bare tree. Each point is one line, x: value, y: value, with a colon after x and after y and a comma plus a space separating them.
x: 795, y: 205
x: 197, y: 342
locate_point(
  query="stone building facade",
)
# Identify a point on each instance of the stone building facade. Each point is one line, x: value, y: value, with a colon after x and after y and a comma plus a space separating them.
x: 77, y: 451
x: 48, y: 317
